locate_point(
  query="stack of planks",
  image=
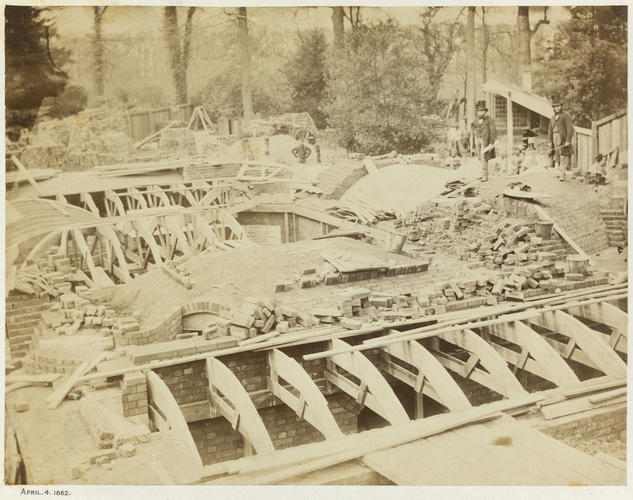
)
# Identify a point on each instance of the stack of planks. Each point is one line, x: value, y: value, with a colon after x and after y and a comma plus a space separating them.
x: 149, y: 167
x: 359, y: 211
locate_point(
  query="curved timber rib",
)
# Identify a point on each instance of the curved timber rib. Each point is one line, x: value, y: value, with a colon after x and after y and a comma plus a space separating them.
x: 607, y: 314
x: 590, y: 341
x: 505, y: 381
x: 443, y: 387
x: 241, y: 411
x: 310, y: 405
x: 166, y: 413
x: 547, y: 363
x: 373, y: 391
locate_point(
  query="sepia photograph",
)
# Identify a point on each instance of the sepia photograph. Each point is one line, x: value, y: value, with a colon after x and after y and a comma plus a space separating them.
x: 315, y: 246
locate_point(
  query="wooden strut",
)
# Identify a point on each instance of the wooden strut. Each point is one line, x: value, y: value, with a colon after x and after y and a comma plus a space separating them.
x: 374, y: 391
x: 504, y: 380
x: 433, y: 330
x: 271, y: 344
x: 587, y: 339
x: 546, y: 362
x: 170, y: 417
x: 445, y: 389
x: 236, y: 406
x: 310, y: 405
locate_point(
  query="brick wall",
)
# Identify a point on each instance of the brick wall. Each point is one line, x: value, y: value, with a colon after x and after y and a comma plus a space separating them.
x: 218, y: 442
x: 134, y: 394
x: 23, y: 315
x: 187, y: 382
x: 608, y: 423
x: 166, y: 330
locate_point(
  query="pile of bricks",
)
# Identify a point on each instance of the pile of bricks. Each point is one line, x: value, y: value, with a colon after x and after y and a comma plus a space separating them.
x: 49, y: 275
x: 258, y: 316
x: 508, y: 246
x: 80, y: 313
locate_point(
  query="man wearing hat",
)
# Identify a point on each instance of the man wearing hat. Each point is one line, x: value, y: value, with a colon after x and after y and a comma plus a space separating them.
x: 561, y: 132
x: 485, y: 136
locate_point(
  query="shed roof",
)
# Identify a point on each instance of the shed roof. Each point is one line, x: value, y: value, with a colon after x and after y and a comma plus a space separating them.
x: 527, y: 99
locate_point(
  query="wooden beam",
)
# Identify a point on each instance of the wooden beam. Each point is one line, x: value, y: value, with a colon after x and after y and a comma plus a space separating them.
x: 310, y: 405
x: 110, y: 234
x: 23, y: 170
x: 380, y: 397
x: 428, y: 366
x: 82, y: 246
x: 609, y: 315
x: 587, y: 339
x: 549, y: 362
x: 489, y: 358
x: 240, y: 412
x: 161, y: 397
x: 142, y: 227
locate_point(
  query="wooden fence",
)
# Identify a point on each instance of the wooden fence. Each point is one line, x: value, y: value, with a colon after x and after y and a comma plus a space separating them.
x: 140, y: 124
x: 610, y: 133
x: 583, y: 149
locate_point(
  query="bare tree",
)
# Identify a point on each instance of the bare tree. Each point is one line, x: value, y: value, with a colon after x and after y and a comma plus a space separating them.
x: 179, y: 50
x: 525, y: 35
x: 437, y: 45
x: 471, y: 93
x: 485, y: 43
x: 352, y: 14
x: 245, y: 65
x: 99, y: 53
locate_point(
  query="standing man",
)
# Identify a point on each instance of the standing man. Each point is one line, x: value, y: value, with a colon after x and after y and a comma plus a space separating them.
x: 561, y: 132
x: 485, y: 136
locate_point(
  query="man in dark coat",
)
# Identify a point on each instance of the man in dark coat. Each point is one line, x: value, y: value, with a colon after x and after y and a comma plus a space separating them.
x: 560, y: 135
x: 485, y: 136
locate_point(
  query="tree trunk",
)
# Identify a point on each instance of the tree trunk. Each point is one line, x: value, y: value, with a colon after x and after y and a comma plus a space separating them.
x: 175, y: 56
x: 99, y: 52
x: 524, y: 35
x: 485, y: 41
x: 471, y: 92
x: 245, y: 65
x: 186, y: 50
x: 338, y: 27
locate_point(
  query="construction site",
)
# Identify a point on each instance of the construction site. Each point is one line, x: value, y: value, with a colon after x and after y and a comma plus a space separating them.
x: 190, y: 302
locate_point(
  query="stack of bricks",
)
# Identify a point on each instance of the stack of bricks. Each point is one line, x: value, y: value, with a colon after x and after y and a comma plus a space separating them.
x: 54, y: 272
x: 134, y: 394
x: 23, y: 315
x: 334, y: 277
x: 256, y: 316
x: 508, y: 246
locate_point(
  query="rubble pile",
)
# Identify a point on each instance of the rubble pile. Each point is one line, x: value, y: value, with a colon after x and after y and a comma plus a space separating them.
x: 51, y: 275
x: 78, y: 313
x: 444, y: 225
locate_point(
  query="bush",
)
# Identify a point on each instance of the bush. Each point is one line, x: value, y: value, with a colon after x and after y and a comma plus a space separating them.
x: 71, y: 101
x: 378, y: 99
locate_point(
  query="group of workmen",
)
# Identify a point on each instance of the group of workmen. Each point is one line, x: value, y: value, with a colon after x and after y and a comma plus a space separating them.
x: 480, y: 141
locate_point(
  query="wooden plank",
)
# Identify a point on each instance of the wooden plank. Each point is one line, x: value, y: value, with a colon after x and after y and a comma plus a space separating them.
x: 23, y: 170
x: 358, y: 365
x: 604, y: 313
x: 160, y: 396
x: 417, y: 355
x: 550, y: 362
x: 311, y: 405
x: 44, y: 379
x: 587, y: 339
x: 578, y: 405
x: 489, y: 358
x: 60, y: 393
x: 249, y: 423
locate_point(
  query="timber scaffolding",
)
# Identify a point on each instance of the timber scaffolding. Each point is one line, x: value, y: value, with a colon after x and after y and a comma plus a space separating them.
x: 575, y: 343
